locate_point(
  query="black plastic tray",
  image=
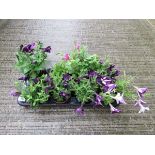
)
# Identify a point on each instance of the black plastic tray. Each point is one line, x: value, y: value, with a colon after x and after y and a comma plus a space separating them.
x: 71, y: 102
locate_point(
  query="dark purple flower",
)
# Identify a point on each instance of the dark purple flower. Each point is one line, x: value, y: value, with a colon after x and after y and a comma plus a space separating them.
x: 29, y: 47
x: 109, y: 87
x: 36, y: 80
x: 47, y: 89
x: 141, y: 91
x: 78, y: 80
x: 65, y: 84
x: 14, y: 93
x: 44, y: 71
x: 23, y: 78
x: 98, y: 100
x: 113, y: 109
x: 119, y: 99
x: 63, y: 94
x: 47, y: 49
x: 48, y: 80
x: 92, y: 74
x: 116, y: 73
x: 66, y: 77
x: 80, y: 111
x: 109, y: 69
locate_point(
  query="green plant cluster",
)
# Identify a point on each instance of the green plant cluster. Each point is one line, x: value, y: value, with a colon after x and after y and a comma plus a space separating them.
x: 78, y: 75
x: 31, y: 62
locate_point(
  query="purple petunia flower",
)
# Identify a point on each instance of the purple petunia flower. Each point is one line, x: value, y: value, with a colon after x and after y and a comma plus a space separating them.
x: 65, y: 84
x: 98, y: 100
x: 103, y: 80
x: 80, y: 111
x: 92, y: 74
x: 47, y: 89
x: 23, y: 78
x: 116, y: 73
x: 141, y: 91
x: 109, y: 87
x: 140, y: 104
x: 47, y: 49
x: 119, y: 99
x: 113, y: 109
x: 29, y: 47
x: 48, y: 80
x: 78, y: 80
x: 109, y: 69
x: 36, y: 80
x: 66, y: 77
x: 63, y: 94
x: 14, y: 93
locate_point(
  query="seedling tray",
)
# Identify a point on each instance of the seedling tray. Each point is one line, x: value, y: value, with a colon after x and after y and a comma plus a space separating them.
x: 70, y: 102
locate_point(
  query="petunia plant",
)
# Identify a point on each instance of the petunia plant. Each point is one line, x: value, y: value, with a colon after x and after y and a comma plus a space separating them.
x: 31, y: 59
x: 80, y: 75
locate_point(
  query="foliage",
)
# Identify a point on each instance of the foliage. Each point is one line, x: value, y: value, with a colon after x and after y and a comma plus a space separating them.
x: 83, y: 91
x: 124, y: 86
x: 35, y: 92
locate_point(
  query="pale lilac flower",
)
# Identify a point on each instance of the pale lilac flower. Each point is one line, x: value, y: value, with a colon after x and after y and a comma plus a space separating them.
x: 141, y: 91
x: 140, y: 104
x: 105, y: 81
x: 113, y: 109
x: 67, y: 57
x: 119, y: 98
x: 14, y: 93
x: 80, y: 111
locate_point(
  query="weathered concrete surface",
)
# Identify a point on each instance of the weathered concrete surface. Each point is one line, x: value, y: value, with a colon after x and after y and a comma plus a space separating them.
x: 129, y: 43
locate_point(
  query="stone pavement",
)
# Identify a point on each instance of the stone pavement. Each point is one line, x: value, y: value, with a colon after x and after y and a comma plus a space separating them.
x: 129, y: 43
